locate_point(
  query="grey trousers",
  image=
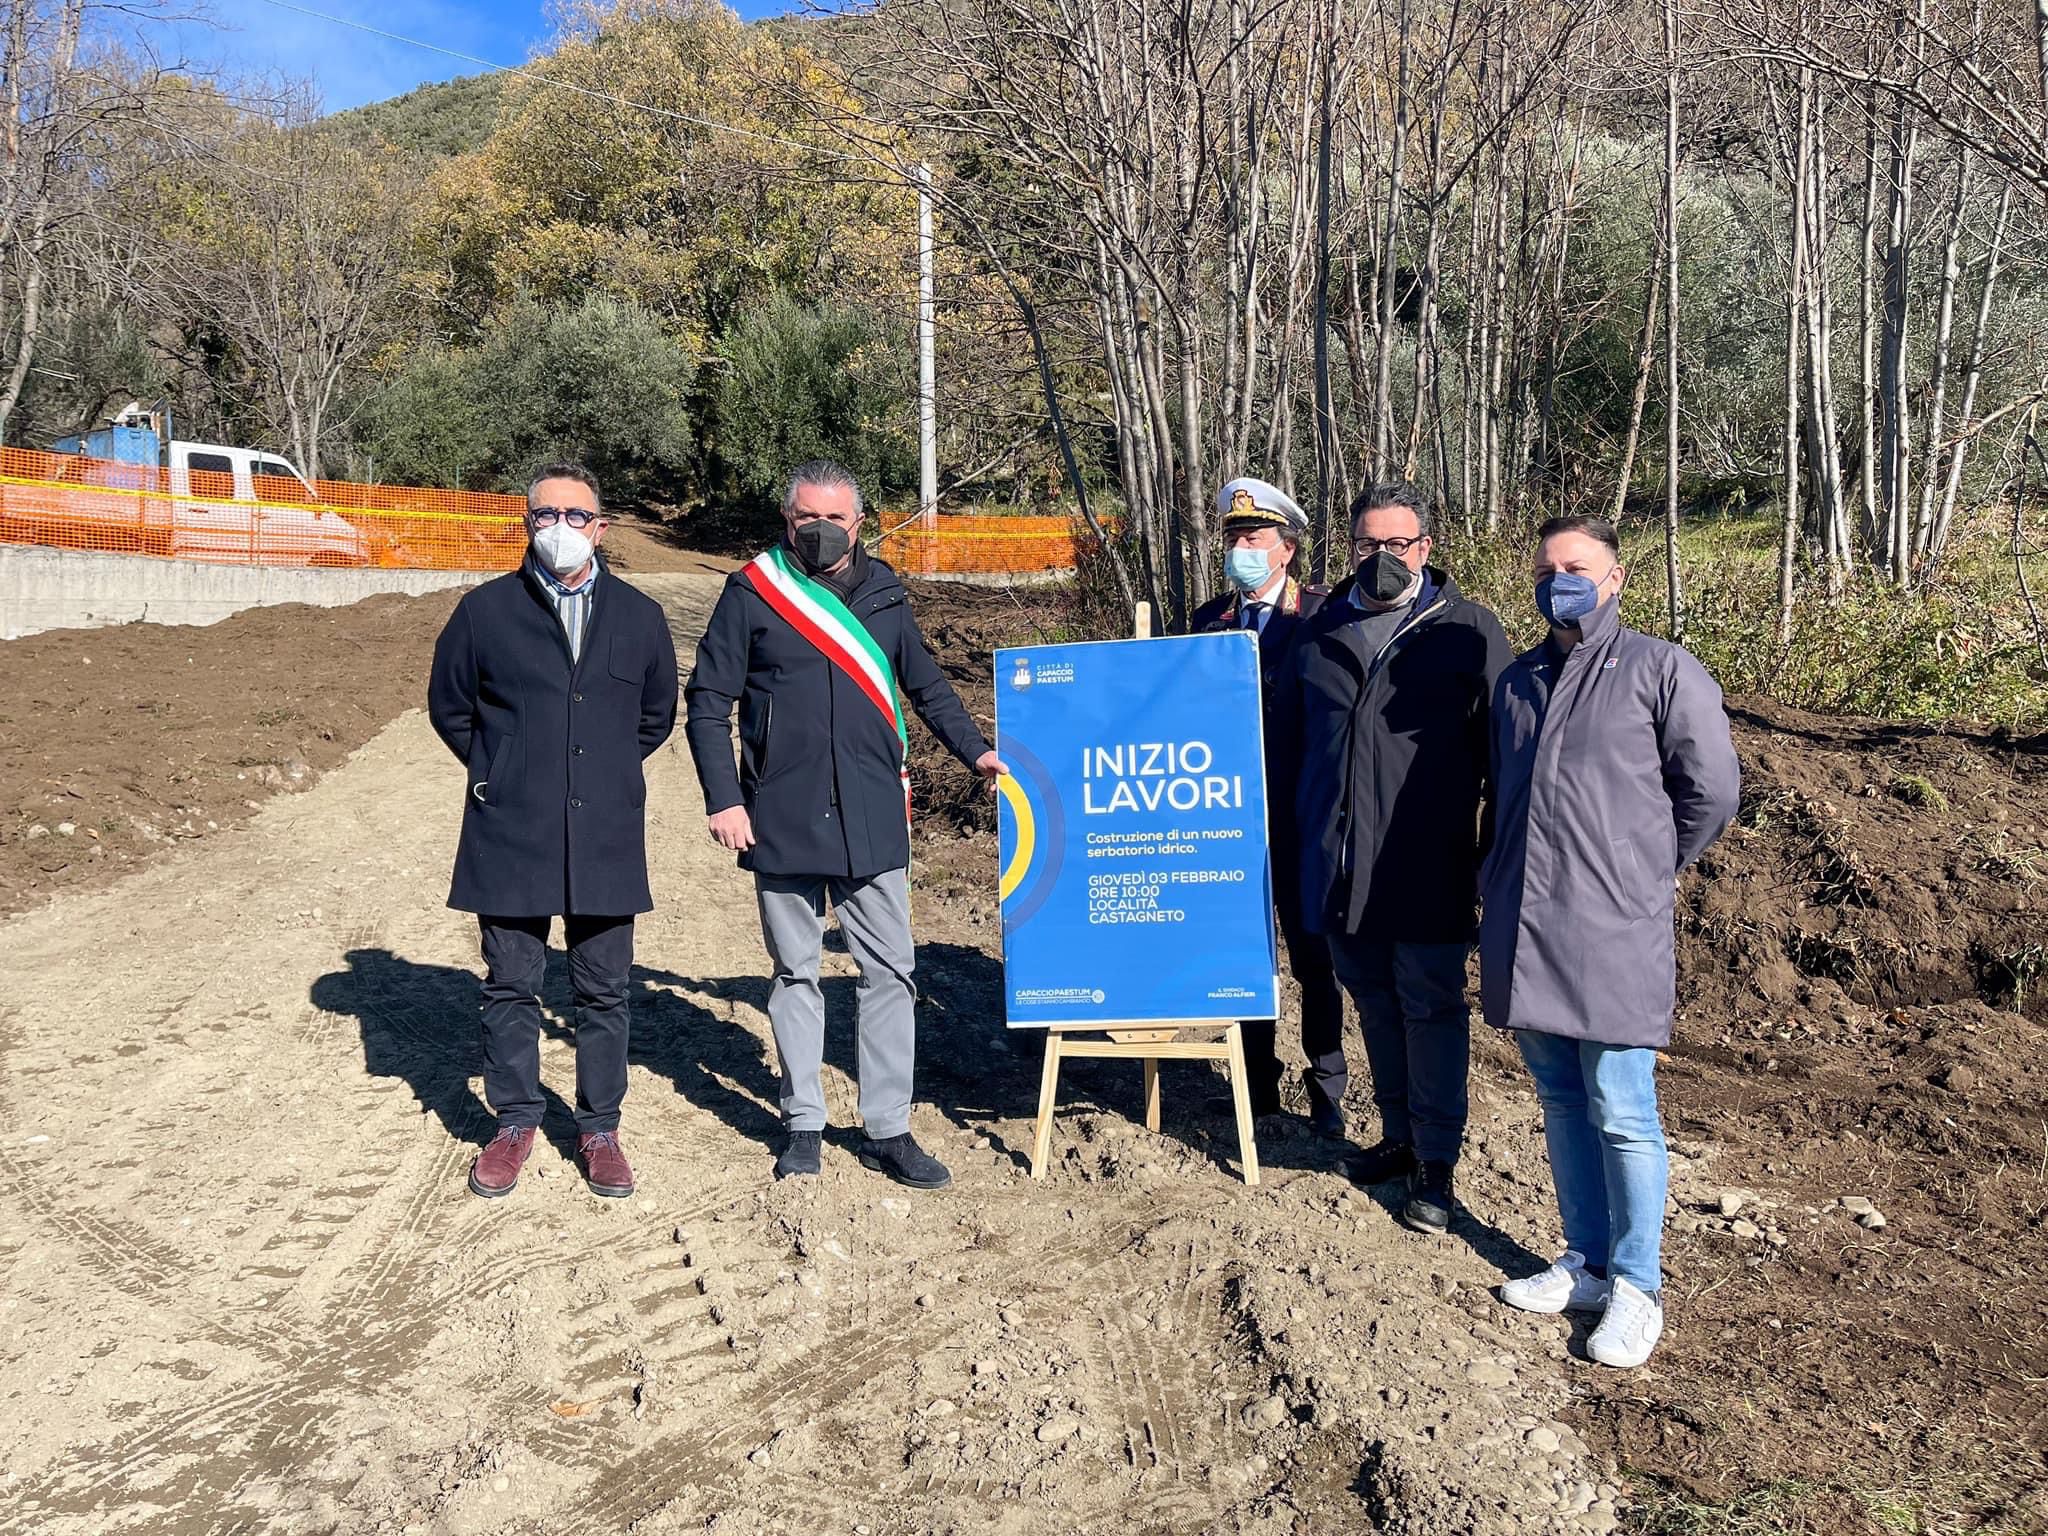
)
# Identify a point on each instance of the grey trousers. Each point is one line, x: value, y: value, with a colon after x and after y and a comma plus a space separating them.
x: 874, y: 914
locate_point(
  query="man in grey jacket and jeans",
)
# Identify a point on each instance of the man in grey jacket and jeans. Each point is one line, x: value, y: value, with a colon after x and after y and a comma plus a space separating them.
x: 1613, y: 770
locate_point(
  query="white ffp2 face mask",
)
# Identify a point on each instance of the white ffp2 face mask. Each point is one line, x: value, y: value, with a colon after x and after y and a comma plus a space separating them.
x: 562, y: 549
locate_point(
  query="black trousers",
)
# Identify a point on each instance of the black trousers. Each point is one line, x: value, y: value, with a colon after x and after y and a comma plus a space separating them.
x: 600, y: 966
x: 1417, y: 1028
x: 1322, y: 1018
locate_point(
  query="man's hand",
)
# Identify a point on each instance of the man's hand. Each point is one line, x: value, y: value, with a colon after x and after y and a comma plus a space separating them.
x: 990, y: 767
x: 733, y: 828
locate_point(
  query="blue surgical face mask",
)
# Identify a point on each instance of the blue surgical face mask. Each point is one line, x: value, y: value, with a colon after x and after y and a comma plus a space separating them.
x: 1248, y: 569
x: 1565, y: 597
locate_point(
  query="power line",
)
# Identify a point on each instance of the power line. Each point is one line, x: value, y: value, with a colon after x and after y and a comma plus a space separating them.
x: 565, y: 85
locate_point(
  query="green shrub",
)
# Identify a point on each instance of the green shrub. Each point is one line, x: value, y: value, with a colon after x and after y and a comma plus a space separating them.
x: 599, y: 382
x: 808, y: 382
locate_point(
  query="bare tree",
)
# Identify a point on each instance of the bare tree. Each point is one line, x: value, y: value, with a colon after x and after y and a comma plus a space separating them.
x: 1674, y: 593
x: 82, y: 121
x: 292, y: 247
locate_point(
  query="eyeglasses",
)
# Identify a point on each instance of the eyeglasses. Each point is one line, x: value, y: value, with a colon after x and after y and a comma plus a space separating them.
x: 1391, y: 546
x: 546, y: 517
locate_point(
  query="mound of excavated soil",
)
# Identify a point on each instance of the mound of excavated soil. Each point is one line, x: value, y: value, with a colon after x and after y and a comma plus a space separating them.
x: 118, y: 743
x: 965, y: 625
x: 1862, y: 964
x: 1875, y: 865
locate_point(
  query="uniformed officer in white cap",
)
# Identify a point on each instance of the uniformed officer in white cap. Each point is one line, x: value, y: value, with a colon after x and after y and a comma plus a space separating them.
x: 1263, y: 533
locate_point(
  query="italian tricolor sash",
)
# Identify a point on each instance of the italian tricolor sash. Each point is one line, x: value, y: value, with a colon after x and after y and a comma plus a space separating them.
x: 814, y: 611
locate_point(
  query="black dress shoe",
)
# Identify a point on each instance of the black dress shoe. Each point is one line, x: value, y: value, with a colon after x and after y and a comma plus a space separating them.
x: 801, y: 1156
x: 903, y: 1160
x: 1430, y: 1202
x: 1381, y: 1164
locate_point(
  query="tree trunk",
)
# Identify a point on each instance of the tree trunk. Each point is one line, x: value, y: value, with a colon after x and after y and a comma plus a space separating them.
x: 1646, y: 353
x: 1824, y: 457
x: 1866, y: 405
x: 1938, y: 370
x: 1972, y: 371
x: 1788, y: 547
x: 1895, y: 443
x: 1383, y: 372
x: 31, y: 320
x: 1326, y: 426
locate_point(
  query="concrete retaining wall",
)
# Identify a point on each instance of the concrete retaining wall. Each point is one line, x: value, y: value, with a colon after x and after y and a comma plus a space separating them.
x: 74, y: 589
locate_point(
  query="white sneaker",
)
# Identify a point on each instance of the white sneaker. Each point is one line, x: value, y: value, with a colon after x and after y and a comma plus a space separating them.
x: 1629, y: 1329
x: 1565, y: 1286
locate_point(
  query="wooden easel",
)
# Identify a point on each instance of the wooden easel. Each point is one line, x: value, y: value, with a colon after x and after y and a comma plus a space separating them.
x: 1151, y: 1044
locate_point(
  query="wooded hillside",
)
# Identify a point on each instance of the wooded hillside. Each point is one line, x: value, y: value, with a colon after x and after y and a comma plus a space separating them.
x: 1674, y: 260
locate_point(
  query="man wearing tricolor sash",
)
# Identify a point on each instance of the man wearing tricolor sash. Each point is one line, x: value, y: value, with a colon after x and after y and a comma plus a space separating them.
x: 814, y: 641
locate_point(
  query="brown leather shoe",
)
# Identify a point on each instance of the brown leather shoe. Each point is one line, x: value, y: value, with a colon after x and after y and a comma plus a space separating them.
x: 604, y: 1164
x: 496, y: 1169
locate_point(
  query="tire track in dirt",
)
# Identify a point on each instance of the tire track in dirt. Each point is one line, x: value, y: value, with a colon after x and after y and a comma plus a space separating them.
x: 809, y: 1388
x: 131, y: 1263
x: 276, y: 1421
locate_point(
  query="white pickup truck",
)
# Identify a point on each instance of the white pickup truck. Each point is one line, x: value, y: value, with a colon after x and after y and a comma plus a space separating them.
x: 196, y: 501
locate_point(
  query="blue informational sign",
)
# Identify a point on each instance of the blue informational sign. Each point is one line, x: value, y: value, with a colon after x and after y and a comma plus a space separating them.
x: 1135, y: 885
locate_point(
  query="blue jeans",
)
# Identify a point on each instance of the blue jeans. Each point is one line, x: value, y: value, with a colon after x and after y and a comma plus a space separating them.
x: 1607, y: 1154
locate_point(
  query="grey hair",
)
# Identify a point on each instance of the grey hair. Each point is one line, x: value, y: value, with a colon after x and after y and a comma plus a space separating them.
x: 563, y: 469
x: 823, y: 474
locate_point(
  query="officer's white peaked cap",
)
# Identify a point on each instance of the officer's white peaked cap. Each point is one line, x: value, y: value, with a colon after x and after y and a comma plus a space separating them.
x: 1247, y: 501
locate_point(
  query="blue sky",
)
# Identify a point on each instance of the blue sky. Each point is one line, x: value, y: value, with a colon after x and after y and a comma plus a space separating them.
x: 348, y: 67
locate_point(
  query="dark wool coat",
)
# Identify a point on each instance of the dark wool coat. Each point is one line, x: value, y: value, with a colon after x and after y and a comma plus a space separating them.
x: 1613, y: 770
x: 1276, y: 645
x: 553, y: 815
x: 1276, y: 640
x: 819, y: 765
x: 1392, y: 765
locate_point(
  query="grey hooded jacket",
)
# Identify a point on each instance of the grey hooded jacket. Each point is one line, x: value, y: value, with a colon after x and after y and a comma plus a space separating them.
x: 1613, y: 770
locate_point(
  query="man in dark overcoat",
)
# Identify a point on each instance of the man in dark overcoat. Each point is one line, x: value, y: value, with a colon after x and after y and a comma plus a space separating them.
x: 814, y: 643
x: 551, y: 685
x: 1384, y: 709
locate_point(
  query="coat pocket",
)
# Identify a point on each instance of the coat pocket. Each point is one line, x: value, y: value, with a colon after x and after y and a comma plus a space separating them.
x: 489, y: 789
x: 626, y: 661
x: 757, y: 724
x: 1639, y: 888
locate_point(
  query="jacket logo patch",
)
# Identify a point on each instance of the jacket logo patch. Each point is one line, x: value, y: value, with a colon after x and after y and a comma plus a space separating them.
x: 1610, y: 664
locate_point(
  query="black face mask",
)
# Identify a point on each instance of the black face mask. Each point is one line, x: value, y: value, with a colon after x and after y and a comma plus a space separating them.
x: 1384, y: 576
x: 820, y: 545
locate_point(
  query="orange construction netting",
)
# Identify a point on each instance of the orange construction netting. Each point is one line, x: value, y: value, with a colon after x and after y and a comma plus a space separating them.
x: 74, y: 502
x: 965, y: 543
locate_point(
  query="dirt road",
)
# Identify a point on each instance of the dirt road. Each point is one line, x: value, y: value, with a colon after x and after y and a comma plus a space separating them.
x: 242, y: 1286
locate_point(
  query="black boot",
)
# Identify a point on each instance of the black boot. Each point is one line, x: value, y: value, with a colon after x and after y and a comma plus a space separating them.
x: 1381, y: 1164
x: 1430, y: 1202
x: 802, y: 1155
x: 903, y: 1160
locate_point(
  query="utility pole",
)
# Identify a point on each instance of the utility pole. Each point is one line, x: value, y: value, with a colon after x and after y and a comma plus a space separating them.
x: 1674, y: 587
x: 927, y: 379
